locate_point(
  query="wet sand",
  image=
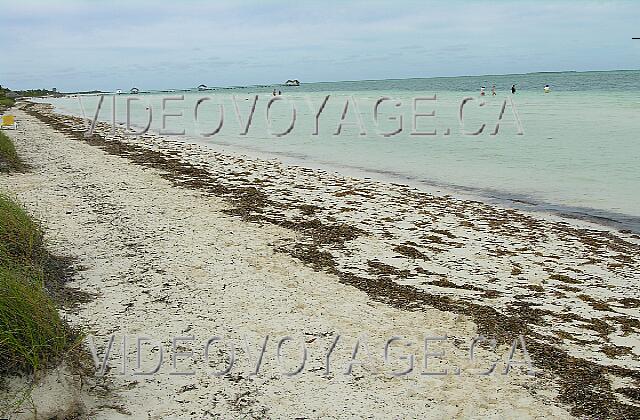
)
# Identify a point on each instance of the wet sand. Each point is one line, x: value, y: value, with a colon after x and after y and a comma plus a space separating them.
x: 179, y: 240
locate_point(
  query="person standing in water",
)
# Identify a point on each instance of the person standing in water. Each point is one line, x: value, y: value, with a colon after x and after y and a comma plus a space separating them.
x: 547, y: 89
x: 482, y: 91
x: 513, y: 89
x: 493, y: 90
x: 274, y: 92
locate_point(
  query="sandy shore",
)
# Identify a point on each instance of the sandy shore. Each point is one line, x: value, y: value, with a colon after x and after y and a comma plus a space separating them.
x: 176, y: 240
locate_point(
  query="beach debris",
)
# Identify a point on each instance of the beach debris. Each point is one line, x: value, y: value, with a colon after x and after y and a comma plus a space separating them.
x: 485, y: 274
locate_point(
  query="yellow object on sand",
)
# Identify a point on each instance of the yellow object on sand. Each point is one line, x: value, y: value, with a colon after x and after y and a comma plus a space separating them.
x: 9, y: 121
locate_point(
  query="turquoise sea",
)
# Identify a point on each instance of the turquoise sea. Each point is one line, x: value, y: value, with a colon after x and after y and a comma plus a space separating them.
x: 579, y: 153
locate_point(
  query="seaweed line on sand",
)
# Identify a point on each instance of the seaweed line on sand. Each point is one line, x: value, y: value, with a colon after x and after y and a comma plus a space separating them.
x: 584, y: 385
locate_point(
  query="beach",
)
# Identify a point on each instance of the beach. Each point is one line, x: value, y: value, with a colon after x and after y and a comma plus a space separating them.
x: 172, y: 239
x: 566, y: 152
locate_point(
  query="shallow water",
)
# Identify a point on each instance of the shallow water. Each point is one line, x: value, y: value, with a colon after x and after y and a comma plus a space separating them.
x: 579, y: 153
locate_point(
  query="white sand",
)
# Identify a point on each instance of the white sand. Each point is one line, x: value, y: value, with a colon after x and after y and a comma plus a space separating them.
x: 165, y: 262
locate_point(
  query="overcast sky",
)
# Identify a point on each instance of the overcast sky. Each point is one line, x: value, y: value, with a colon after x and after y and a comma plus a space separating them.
x: 82, y: 45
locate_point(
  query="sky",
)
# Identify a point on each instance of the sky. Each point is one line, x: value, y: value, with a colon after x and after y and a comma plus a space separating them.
x: 108, y: 45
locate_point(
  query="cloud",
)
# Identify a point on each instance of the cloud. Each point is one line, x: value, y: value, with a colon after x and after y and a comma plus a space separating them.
x: 87, y: 44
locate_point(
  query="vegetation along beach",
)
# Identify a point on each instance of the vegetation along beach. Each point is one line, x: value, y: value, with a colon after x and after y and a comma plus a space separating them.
x: 229, y: 231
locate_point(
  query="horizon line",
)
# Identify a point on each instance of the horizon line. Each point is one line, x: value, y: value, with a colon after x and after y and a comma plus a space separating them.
x: 402, y: 78
x: 347, y: 81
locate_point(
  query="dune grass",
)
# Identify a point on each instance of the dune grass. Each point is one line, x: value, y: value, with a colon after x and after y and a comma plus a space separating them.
x: 6, y: 102
x: 9, y: 159
x: 32, y: 334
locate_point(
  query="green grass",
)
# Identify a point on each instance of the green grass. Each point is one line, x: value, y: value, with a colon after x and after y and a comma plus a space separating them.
x: 32, y: 335
x: 9, y: 159
x: 6, y: 102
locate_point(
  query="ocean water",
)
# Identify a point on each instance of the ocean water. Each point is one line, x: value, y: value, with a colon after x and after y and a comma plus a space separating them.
x: 575, y: 150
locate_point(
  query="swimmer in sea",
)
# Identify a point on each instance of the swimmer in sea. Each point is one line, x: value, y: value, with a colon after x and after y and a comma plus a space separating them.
x: 513, y: 89
x: 482, y: 91
x: 493, y: 90
x: 547, y: 89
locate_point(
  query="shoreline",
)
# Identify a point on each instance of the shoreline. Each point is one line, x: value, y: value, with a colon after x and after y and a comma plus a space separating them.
x: 472, y: 267
x: 504, y: 199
